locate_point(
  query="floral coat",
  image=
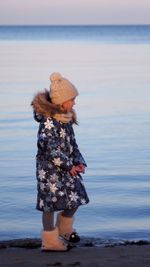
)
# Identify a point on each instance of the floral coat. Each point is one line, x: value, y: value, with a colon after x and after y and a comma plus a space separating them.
x: 56, y: 155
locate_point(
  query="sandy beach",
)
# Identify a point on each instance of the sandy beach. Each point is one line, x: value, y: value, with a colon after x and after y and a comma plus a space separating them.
x: 127, y: 255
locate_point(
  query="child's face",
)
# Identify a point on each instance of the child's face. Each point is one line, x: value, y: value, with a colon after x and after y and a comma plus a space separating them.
x: 68, y: 105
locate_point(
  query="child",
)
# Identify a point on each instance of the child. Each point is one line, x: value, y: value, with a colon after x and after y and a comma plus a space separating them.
x: 58, y: 163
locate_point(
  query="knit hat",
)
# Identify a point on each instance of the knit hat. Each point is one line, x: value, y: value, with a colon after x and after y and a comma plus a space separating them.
x: 61, y: 89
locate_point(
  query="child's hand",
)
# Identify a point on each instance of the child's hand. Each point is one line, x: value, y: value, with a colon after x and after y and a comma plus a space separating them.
x: 74, y: 171
x: 80, y: 168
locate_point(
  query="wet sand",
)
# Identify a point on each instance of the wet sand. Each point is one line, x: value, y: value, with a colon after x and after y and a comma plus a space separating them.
x: 127, y: 255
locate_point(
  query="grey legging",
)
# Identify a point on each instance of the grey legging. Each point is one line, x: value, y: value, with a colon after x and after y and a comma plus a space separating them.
x: 48, y: 218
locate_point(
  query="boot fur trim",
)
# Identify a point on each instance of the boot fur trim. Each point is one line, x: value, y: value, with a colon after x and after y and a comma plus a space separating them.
x: 52, y: 242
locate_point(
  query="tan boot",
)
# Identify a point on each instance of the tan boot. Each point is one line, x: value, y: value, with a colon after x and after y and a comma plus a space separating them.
x: 65, y: 226
x: 52, y: 242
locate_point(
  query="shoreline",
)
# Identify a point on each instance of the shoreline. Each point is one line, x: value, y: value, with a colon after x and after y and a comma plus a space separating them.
x: 33, y: 243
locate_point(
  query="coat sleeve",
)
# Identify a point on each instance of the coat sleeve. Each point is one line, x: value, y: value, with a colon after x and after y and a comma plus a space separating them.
x: 76, y: 155
x: 49, y: 146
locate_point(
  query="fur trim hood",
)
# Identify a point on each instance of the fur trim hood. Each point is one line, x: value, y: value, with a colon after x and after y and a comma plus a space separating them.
x: 44, y: 108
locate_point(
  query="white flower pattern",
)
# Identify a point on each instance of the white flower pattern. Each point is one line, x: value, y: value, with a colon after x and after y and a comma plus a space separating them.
x: 41, y: 203
x: 41, y: 174
x: 42, y: 186
x: 54, y: 199
x: 83, y: 201
x: 57, y: 161
x: 62, y: 133
x: 54, y: 177
x: 48, y: 124
x: 73, y: 196
x: 53, y: 188
x: 61, y: 193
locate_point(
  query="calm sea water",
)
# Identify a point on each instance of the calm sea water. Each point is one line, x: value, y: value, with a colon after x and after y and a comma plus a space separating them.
x: 110, y: 65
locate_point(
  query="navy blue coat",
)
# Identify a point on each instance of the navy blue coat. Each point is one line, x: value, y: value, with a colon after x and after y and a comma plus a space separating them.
x: 56, y: 155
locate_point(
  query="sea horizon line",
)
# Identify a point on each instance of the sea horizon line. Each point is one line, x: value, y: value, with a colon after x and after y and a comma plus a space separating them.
x: 74, y: 25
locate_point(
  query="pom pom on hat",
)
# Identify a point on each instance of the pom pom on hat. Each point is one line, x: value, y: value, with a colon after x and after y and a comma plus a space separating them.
x: 61, y: 89
x: 56, y: 76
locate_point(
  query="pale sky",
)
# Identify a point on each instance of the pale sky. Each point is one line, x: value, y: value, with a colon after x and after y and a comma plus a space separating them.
x: 74, y: 12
